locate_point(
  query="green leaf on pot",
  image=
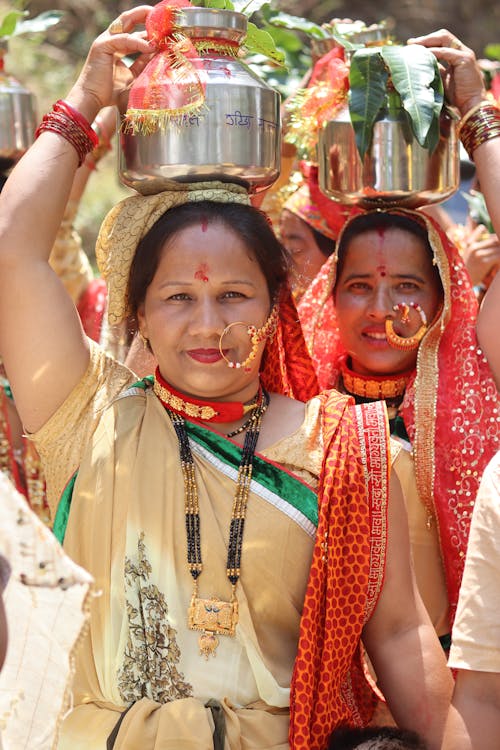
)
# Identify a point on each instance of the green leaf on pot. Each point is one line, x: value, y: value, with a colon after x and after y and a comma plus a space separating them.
x: 286, y: 40
x: 433, y: 135
x: 260, y: 42
x: 414, y: 74
x: 367, y: 93
x: 295, y: 23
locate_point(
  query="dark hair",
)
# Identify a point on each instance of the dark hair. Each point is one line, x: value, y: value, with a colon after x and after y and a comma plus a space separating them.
x: 249, y: 223
x: 325, y: 244
x: 387, y: 738
x: 381, y: 221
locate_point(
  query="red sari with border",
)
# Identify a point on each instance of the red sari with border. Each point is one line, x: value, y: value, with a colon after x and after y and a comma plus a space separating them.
x: 451, y: 406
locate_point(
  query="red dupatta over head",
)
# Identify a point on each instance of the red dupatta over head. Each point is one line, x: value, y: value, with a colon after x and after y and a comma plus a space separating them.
x: 450, y: 407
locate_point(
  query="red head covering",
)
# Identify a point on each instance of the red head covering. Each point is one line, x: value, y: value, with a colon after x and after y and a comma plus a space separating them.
x: 287, y: 365
x: 450, y: 407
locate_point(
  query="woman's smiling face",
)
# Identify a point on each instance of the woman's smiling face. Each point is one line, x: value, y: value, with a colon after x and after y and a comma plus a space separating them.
x: 206, y: 279
x: 382, y: 268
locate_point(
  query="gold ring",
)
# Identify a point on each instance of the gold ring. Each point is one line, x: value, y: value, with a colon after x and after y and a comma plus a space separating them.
x: 456, y: 44
x: 116, y: 26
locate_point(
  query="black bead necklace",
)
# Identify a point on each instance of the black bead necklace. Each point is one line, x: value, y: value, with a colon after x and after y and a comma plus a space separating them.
x: 215, y: 616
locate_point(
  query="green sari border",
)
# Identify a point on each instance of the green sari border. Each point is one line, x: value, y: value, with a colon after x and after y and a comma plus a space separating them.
x: 276, y: 484
x: 271, y: 482
x: 63, y: 508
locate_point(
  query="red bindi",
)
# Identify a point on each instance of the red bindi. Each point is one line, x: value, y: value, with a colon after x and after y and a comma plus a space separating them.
x: 201, y: 272
x: 382, y: 271
x: 204, y: 225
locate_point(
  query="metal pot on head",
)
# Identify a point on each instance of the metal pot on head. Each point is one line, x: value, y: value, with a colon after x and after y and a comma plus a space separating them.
x: 396, y: 169
x: 234, y: 138
x: 18, y: 118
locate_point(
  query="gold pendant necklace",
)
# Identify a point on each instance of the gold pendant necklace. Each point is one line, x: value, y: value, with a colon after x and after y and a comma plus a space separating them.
x: 214, y: 616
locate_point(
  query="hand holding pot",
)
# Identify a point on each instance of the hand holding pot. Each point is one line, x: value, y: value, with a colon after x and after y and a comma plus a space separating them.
x: 462, y: 76
x: 104, y: 78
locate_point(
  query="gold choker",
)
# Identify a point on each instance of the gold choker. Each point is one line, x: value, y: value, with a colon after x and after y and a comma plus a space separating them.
x: 375, y: 387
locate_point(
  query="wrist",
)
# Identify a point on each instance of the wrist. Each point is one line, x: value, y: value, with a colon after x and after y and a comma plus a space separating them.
x: 86, y: 104
x: 472, y: 103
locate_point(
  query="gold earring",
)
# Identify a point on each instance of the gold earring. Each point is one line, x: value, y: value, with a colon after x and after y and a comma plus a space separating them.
x: 144, y: 340
x: 400, y: 342
x: 256, y: 336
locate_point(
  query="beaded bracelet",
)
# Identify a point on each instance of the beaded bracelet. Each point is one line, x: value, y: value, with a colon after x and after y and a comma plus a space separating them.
x: 67, y: 122
x: 479, y: 125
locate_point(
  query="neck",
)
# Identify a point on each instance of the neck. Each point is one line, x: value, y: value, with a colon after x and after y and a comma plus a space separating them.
x: 204, y: 410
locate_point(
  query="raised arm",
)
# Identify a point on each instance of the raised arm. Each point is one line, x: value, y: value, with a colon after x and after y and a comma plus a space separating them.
x: 401, y: 642
x: 41, y: 340
x: 465, y: 89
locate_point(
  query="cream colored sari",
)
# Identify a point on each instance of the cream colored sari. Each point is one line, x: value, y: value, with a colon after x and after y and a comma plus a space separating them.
x: 140, y: 654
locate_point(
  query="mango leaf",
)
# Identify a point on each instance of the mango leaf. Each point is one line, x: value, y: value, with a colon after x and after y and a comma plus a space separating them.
x: 295, y: 23
x: 433, y: 135
x: 260, y: 42
x: 9, y: 23
x: 344, y: 42
x: 414, y: 72
x: 286, y: 40
x: 367, y: 93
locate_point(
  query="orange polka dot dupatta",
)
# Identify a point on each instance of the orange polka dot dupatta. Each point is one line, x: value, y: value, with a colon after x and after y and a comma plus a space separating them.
x: 328, y: 685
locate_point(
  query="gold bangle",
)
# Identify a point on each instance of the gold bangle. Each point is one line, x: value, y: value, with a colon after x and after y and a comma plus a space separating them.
x: 472, y: 111
x: 481, y: 124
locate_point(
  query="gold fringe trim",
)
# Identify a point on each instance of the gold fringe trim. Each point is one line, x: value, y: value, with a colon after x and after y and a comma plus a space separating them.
x: 150, y: 121
x: 205, y: 47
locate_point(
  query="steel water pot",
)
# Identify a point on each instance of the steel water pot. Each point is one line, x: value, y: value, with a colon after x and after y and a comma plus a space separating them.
x: 236, y: 138
x: 18, y: 119
x: 396, y: 169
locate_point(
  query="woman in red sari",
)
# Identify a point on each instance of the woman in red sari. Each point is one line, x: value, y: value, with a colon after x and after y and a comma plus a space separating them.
x: 396, y: 272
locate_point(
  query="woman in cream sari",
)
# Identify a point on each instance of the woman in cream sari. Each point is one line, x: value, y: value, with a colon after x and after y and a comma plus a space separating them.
x: 241, y: 540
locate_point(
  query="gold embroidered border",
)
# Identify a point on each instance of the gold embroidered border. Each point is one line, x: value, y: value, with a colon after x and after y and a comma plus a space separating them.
x: 373, y: 431
x: 426, y: 384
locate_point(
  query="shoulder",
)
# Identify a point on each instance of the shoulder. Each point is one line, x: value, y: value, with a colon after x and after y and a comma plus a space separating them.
x: 284, y: 417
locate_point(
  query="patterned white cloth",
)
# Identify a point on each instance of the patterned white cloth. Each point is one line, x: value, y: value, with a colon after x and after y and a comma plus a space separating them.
x: 476, y: 631
x: 47, y: 602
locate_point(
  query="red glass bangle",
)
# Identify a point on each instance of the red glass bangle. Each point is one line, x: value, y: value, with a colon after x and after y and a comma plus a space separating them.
x: 78, y: 118
x: 62, y: 124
